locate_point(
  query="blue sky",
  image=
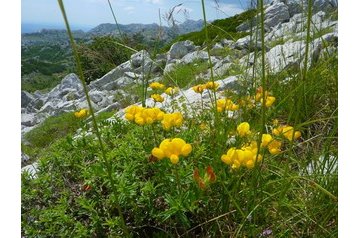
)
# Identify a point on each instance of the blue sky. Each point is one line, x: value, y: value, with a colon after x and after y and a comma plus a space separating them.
x: 94, y: 12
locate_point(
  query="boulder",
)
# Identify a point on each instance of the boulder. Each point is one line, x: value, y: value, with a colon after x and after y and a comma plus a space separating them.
x: 140, y: 58
x: 31, y: 169
x: 196, y: 55
x: 179, y: 49
x: 26, y: 98
x: 227, y: 43
x: 28, y: 119
x: 325, y: 5
x: 283, y: 56
x: 70, y: 81
x: 24, y: 157
x: 276, y: 13
x: 111, y: 75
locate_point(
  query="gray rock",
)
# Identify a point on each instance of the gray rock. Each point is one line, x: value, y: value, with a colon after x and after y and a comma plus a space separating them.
x: 179, y: 49
x: 242, y: 43
x: 70, y: 81
x: 28, y: 119
x: 109, y: 108
x: 276, y: 13
x: 111, y: 75
x: 169, y: 67
x: 32, y: 169
x: 227, y: 43
x: 24, y: 157
x: 49, y: 107
x: 325, y: 5
x: 132, y: 75
x: 217, y: 46
x: 283, y: 56
x: 26, y: 98
x: 196, y: 55
x: 140, y: 58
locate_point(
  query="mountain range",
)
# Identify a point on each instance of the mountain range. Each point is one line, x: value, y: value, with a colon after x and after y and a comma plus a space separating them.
x: 149, y: 31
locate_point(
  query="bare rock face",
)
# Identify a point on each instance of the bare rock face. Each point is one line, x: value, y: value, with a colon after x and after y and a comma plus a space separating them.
x: 26, y: 99
x: 276, y: 13
x: 180, y: 49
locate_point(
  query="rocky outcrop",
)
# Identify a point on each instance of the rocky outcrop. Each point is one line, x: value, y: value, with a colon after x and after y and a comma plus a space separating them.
x: 277, y: 13
x: 180, y: 49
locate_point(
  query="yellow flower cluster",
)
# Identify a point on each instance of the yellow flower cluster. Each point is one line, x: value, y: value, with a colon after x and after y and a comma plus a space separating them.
x: 142, y: 115
x: 171, y: 91
x: 269, y: 99
x: 157, y: 97
x: 243, y: 129
x: 172, y: 119
x: 82, y: 113
x: 226, y: 104
x: 274, y: 146
x: 287, y: 131
x: 246, y: 156
x: 172, y: 149
x: 156, y: 86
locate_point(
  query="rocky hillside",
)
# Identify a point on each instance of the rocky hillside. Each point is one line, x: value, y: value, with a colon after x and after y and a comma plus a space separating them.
x: 285, y: 42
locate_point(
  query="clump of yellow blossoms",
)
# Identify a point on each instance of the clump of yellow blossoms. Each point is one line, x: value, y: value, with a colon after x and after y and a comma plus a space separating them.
x: 156, y: 86
x: 171, y: 91
x: 142, y: 115
x: 199, y: 88
x: 269, y: 99
x: 172, y: 149
x: 274, y: 146
x: 157, y: 97
x: 243, y: 129
x: 226, y: 105
x: 287, y: 131
x: 246, y: 156
x: 172, y: 119
x: 82, y: 113
x: 211, y: 85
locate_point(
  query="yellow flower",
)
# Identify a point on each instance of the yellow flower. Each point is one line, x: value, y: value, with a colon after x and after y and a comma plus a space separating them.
x: 172, y: 149
x: 172, y: 91
x: 243, y: 129
x: 269, y: 101
x: 274, y: 147
x: 266, y: 139
x: 199, y: 88
x: 82, y: 113
x: 156, y: 86
x: 246, y: 156
x: 226, y: 104
x: 211, y: 85
x: 172, y: 119
x: 142, y: 116
x: 287, y: 131
x: 157, y: 98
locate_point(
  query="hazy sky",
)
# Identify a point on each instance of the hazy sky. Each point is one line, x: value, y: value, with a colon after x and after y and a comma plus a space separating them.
x: 94, y: 12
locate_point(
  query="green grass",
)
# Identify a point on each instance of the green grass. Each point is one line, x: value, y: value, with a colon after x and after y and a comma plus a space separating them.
x: 185, y: 75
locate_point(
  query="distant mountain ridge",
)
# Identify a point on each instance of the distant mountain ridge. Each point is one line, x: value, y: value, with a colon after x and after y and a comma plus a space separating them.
x: 149, y: 31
